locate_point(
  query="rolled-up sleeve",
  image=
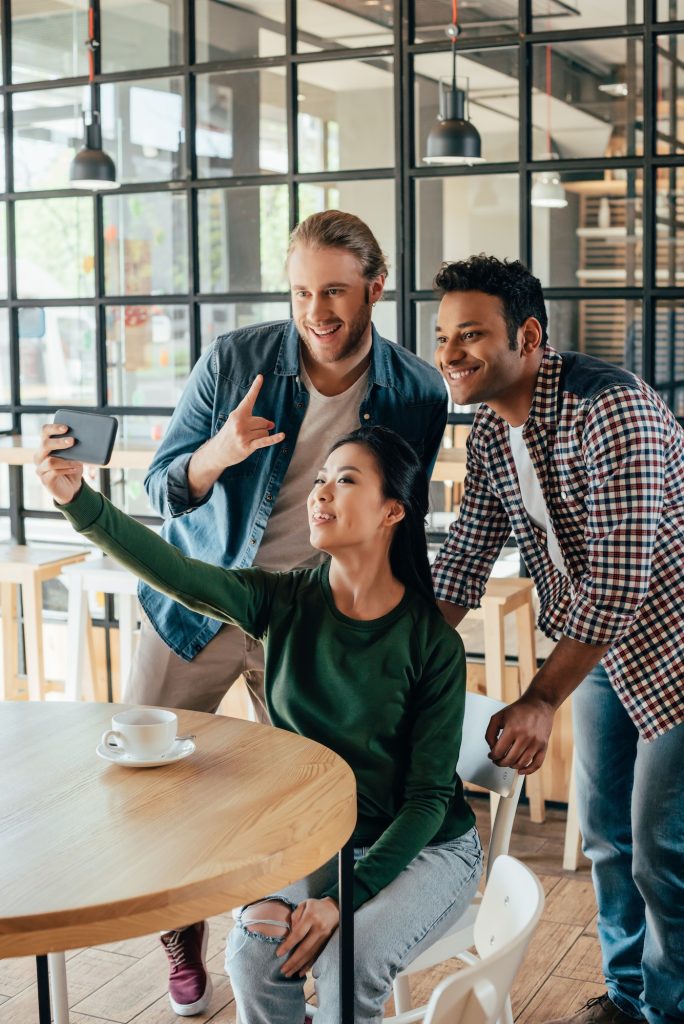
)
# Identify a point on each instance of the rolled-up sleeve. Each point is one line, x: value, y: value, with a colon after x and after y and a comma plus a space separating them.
x: 465, y: 560
x: 624, y: 449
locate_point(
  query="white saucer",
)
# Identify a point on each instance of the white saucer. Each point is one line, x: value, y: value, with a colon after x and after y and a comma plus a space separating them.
x: 179, y: 750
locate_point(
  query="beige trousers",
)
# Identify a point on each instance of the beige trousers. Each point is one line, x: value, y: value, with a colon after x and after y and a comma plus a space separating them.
x: 160, y: 677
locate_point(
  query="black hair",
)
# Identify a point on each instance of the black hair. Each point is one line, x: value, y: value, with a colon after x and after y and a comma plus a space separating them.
x: 404, y: 480
x: 520, y: 291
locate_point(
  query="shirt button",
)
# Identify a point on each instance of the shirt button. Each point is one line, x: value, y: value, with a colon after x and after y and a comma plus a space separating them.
x: 300, y: 405
x: 564, y: 494
x: 366, y: 415
x: 253, y: 540
x: 269, y: 497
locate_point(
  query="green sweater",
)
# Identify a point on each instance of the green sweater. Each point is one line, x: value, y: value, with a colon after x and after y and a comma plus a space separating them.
x: 387, y: 695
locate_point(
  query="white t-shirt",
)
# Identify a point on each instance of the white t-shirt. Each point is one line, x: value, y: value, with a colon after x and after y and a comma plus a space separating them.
x: 533, y: 496
x: 285, y: 543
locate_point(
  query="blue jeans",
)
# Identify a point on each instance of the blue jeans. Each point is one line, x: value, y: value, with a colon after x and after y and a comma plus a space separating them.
x: 390, y: 931
x: 630, y: 797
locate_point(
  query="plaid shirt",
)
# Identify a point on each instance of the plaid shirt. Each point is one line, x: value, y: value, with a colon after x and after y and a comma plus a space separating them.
x: 609, y: 455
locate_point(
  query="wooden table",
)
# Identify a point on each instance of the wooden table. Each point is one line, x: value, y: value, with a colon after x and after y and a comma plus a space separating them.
x: 17, y: 450
x: 92, y: 852
x: 450, y: 465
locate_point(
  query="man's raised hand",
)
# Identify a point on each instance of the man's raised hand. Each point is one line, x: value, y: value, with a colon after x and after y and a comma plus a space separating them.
x: 244, y: 433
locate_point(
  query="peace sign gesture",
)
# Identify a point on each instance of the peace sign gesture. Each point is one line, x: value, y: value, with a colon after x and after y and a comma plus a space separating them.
x: 243, y: 432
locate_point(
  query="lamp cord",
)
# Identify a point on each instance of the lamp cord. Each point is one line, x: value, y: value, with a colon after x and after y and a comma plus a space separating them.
x: 548, y: 100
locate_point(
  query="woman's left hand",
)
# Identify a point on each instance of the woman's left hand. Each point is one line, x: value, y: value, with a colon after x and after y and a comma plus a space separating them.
x: 313, y: 922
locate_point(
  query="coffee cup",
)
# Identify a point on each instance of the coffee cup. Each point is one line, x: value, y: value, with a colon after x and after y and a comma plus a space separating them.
x: 143, y: 733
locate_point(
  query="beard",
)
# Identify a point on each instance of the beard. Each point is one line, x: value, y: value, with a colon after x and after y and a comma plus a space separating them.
x: 351, y: 344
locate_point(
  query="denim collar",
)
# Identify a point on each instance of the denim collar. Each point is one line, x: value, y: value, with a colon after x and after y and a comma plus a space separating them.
x: 380, y: 371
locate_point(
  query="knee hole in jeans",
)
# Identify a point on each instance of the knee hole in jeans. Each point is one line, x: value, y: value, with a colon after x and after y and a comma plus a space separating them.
x: 263, y: 919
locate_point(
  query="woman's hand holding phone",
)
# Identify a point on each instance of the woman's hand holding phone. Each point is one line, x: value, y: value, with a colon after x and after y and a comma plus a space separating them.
x: 61, y: 478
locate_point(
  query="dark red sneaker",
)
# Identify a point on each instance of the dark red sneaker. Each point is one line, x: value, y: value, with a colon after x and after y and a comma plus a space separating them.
x: 189, y: 981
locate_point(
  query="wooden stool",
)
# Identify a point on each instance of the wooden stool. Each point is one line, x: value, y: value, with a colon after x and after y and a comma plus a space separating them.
x: 503, y: 597
x: 27, y: 567
x: 105, y: 576
x: 573, y: 836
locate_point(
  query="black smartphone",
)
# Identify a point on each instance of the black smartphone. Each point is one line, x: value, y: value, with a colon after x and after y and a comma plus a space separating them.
x: 94, y: 435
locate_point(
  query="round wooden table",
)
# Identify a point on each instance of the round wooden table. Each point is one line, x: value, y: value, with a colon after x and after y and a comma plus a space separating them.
x: 91, y: 852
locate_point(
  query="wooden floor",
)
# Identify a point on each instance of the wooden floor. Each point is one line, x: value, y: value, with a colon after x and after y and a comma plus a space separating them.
x: 126, y: 981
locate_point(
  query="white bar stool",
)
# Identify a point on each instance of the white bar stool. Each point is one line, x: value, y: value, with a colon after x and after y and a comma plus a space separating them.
x: 98, y: 575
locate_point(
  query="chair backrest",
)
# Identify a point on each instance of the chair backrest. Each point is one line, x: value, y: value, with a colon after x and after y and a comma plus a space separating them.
x: 509, y: 913
x: 473, y: 762
x: 475, y: 766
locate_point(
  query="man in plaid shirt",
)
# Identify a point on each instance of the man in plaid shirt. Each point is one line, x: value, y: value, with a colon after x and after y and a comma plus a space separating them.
x: 584, y: 463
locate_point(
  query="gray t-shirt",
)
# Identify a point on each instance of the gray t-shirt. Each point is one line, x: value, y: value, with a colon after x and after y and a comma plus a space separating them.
x: 285, y: 543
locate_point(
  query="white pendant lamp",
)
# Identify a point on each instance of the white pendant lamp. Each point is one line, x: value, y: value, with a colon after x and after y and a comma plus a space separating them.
x: 547, y: 190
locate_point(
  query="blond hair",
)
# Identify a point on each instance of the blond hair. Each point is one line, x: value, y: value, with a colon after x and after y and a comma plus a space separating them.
x: 334, y: 229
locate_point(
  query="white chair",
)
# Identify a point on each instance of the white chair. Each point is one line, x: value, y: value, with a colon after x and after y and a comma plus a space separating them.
x: 97, y: 575
x: 473, y: 766
x: 510, y: 910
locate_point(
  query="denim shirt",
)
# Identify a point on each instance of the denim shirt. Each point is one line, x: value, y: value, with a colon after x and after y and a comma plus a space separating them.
x: 226, y: 526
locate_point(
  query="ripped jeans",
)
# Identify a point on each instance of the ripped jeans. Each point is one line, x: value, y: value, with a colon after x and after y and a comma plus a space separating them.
x: 390, y: 931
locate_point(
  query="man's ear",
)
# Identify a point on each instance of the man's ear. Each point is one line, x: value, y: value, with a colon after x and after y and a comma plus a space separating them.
x: 531, y: 335
x: 376, y: 289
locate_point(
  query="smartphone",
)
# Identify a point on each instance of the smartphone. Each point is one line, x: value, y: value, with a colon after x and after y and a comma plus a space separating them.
x: 94, y: 435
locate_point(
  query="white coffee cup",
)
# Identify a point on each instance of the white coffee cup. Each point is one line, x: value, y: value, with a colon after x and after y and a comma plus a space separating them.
x: 144, y: 733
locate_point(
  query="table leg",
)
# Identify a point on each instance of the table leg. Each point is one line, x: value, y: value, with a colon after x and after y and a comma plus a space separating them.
x: 346, y: 881
x: 44, y: 1015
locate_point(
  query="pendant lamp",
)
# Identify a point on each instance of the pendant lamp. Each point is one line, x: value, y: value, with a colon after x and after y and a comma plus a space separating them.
x: 454, y: 139
x: 547, y: 191
x: 92, y: 168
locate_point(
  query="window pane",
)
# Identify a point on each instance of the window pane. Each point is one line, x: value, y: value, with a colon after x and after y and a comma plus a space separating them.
x: 5, y: 372
x: 128, y: 491
x: 146, y: 249
x: 243, y: 234
x: 669, y: 219
x: 670, y: 124
x: 143, y: 128
x: 587, y: 99
x: 548, y: 15
x: 372, y: 201
x: 3, y: 250
x: 2, y: 146
x: 148, y: 354
x: 426, y: 323
x: 48, y: 39
x: 255, y: 28
x: 241, y: 123
x: 220, y: 318
x: 478, y: 19
x: 140, y: 34
x: 670, y: 10
x: 385, y: 319
x: 48, y: 132
x: 54, y: 245
x: 324, y: 26
x: 57, y: 358
x: 490, y: 79
x: 462, y: 215
x: 4, y: 500
x: 670, y: 343
x: 345, y: 115
x: 609, y: 329
x: 595, y: 241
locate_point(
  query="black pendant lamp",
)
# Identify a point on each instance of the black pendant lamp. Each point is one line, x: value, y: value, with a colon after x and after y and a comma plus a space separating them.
x: 92, y: 168
x: 454, y: 139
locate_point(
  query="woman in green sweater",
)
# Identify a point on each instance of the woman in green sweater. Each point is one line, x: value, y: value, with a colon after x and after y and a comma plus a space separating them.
x: 357, y: 657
